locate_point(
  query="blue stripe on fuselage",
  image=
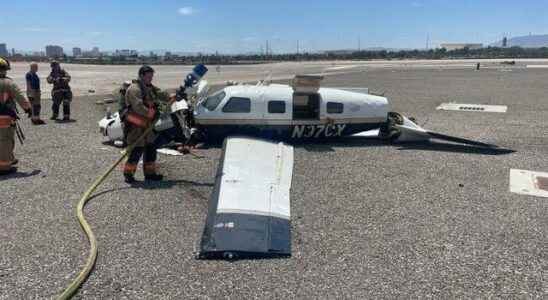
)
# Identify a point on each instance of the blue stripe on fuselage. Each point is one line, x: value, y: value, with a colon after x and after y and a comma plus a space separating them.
x: 287, y: 132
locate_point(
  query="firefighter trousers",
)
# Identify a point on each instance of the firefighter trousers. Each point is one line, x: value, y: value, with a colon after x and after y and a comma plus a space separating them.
x: 7, y: 145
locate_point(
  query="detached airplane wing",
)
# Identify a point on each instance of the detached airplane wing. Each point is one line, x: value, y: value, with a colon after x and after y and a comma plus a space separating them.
x: 249, y: 211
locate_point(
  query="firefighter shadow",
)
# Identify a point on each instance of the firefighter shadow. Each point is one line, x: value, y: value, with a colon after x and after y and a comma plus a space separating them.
x: 17, y: 175
x: 167, y: 184
x: 65, y: 121
x: 114, y: 144
x: 327, y: 146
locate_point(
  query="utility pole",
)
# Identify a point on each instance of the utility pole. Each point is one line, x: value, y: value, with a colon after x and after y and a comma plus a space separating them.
x: 359, y: 43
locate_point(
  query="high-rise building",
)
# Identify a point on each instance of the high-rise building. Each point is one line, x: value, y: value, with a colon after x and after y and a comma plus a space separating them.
x: 54, y: 51
x: 95, y: 52
x: 76, y: 52
x: 504, y: 42
x: 3, y: 50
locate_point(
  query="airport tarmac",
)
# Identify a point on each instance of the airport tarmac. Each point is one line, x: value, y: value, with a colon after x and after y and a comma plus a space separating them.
x: 369, y: 219
x: 105, y: 79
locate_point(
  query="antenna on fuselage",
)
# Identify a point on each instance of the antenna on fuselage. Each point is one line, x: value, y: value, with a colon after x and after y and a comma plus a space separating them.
x: 266, y: 80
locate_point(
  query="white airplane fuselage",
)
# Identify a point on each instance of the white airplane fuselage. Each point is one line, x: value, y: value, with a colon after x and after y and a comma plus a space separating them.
x: 279, y: 112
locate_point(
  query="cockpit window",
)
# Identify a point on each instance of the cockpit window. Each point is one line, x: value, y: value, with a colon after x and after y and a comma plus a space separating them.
x: 213, y: 101
x: 237, y: 105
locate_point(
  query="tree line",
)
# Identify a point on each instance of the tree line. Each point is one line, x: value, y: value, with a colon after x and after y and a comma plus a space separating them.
x: 439, y: 53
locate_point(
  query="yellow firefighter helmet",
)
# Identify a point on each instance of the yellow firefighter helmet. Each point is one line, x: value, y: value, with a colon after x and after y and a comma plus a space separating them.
x: 4, y: 64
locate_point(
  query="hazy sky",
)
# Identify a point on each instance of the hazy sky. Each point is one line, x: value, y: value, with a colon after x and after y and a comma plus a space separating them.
x: 244, y: 26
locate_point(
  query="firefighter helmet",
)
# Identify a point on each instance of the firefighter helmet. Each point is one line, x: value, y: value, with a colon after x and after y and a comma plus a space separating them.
x: 145, y: 69
x: 4, y: 64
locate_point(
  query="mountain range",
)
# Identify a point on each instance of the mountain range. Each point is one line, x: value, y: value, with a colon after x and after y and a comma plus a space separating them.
x: 526, y: 41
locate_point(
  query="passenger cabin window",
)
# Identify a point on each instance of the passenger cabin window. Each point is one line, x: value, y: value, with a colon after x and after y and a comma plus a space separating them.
x: 276, y: 107
x: 213, y: 101
x: 237, y: 105
x: 335, y: 108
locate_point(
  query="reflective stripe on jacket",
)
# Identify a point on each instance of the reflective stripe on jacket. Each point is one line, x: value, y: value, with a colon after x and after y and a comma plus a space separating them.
x: 6, y: 122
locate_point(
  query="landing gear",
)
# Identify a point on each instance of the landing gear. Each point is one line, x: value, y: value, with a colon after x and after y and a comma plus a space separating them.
x: 400, y: 129
x: 388, y: 130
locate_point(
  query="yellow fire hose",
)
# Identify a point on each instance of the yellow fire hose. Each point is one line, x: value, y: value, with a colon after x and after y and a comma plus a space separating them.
x: 92, y: 257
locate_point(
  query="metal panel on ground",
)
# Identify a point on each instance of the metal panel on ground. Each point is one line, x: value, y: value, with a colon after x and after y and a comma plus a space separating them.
x: 529, y: 183
x: 473, y: 107
x: 249, y: 211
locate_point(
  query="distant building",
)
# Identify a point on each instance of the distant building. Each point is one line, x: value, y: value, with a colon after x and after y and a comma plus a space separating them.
x: 126, y: 52
x: 54, y: 51
x: 3, y: 50
x: 504, y: 42
x: 76, y: 52
x: 95, y: 52
x: 450, y: 47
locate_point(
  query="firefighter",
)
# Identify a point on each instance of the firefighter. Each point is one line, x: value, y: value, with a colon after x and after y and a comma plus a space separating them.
x: 122, y: 97
x: 143, y: 101
x: 34, y: 94
x: 122, y: 107
x: 9, y: 95
x: 61, y: 93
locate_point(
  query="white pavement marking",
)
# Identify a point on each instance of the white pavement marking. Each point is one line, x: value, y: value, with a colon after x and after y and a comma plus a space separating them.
x: 529, y: 183
x: 473, y: 107
x: 537, y: 66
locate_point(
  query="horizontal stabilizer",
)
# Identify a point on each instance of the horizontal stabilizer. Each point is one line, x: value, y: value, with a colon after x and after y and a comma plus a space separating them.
x: 448, y: 138
x: 368, y: 134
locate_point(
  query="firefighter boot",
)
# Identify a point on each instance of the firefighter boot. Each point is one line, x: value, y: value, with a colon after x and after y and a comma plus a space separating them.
x: 66, y: 112
x: 36, y: 115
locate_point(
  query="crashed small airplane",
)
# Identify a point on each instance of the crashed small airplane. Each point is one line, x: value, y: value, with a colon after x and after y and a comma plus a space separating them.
x: 249, y: 210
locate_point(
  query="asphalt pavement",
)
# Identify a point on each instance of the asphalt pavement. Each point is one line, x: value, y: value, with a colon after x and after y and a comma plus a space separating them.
x: 369, y: 219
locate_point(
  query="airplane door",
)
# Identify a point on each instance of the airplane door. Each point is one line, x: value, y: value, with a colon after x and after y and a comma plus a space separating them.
x: 306, y: 97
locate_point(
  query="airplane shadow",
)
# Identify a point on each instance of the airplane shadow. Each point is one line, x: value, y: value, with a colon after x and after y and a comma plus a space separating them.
x: 327, y: 146
x: 20, y: 175
x: 358, y: 141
